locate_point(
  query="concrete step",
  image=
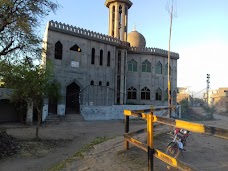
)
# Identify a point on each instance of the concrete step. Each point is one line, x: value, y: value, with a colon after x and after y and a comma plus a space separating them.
x: 67, y: 118
x: 73, y: 118
x: 53, y: 118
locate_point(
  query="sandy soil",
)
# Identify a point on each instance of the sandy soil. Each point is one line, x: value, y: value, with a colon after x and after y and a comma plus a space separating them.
x: 203, y: 152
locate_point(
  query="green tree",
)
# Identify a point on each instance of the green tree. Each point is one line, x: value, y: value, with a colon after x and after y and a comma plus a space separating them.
x: 19, y: 20
x: 184, y: 106
x: 31, y: 83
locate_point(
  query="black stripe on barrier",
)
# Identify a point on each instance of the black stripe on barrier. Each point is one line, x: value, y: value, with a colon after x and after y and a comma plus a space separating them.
x: 172, y: 161
x: 217, y: 132
x: 151, y: 110
x: 135, y: 142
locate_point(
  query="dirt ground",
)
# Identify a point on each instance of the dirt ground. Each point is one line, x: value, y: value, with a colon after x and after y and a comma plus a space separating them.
x: 203, y: 152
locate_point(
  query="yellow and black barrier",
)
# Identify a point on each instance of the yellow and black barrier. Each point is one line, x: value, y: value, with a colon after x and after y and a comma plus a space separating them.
x: 147, y: 114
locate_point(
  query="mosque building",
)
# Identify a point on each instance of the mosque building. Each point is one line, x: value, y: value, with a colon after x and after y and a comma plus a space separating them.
x: 107, y: 70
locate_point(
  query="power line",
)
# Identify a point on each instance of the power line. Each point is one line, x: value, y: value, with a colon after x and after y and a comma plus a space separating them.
x: 199, y: 91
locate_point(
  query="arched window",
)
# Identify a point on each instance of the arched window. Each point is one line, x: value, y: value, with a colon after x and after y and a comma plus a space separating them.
x: 131, y: 93
x: 58, y: 50
x: 145, y: 94
x: 101, y: 57
x: 159, y: 68
x: 100, y: 83
x: 107, y: 84
x: 109, y: 59
x: 119, y: 62
x: 132, y: 66
x: 76, y: 48
x: 166, y: 94
x: 146, y: 66
x: 93, y: 56
x: 92, y: 82
x: 120, y: 19
x: 158, y: 95
x: 166, y: 69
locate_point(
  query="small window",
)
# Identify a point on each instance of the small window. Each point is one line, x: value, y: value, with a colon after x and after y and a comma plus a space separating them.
x: 145, y: 94
x: 159, y: 68
x: 119, y: 63
x: 100, y: 83
x: 120, y: 9
x: 107, y: 84
x: 146, y: 66
x: 158, y: 94
x: 113, y: 19
x: 166, y: 95
x: 131, y: 93
x: 108, y: 59
x: 132, y: 66
x: 76, y: 48
x: 58, y: 50
x: 92, y: 82
x: 101, y: 57
x: 93, y: 56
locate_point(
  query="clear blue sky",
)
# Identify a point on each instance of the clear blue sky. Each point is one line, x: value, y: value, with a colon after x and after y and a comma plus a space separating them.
x: 200, y: 33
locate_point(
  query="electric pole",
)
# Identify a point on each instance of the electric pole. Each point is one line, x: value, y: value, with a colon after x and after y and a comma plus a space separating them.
x: 208, y: 86
x: 169, y: 76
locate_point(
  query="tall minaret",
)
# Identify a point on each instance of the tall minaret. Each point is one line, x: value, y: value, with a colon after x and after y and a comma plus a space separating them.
x: 118, y: 18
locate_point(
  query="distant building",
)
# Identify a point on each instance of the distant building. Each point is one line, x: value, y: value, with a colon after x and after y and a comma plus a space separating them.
x: 183, y: 93
x: 219, y: 99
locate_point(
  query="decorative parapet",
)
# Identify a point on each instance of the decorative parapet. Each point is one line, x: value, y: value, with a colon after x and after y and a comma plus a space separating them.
x: 86, y: 33
x: 5, y: 93
x: 154, y: 51
x: 69, y: 29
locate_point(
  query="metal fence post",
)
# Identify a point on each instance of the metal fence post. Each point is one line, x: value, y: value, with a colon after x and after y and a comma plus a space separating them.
x: 150, y: 143
x: 126, y: 131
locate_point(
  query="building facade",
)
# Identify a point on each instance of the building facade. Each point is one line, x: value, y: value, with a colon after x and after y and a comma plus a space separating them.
x: 183, y: 94
x: 105, y: 70
x: 218, y: 99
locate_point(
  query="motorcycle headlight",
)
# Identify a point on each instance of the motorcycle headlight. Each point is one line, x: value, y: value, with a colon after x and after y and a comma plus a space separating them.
x: 184, y: 131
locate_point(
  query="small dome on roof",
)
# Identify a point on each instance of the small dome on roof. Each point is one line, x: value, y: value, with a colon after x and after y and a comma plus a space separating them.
x: 136, y: 39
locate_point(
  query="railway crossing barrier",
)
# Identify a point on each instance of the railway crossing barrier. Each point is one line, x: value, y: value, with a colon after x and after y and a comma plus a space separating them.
x: 148, y: 115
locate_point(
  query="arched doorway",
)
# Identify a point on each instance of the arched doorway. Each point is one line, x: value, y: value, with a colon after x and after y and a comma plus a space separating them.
x: 52, y: 106
x: 72, y: 99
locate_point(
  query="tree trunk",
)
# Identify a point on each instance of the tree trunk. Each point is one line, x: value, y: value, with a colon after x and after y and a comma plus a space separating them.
x: 38, y: 122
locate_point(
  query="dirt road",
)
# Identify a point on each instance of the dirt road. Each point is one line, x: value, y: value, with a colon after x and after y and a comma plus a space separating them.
x: 203, y: 152
x: 80, y: 133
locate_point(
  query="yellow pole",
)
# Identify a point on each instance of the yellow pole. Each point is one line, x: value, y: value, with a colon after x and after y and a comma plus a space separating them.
x: 150, y: 142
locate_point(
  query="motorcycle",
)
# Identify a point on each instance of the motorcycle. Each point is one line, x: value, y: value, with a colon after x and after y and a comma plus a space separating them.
x: 176, y: 146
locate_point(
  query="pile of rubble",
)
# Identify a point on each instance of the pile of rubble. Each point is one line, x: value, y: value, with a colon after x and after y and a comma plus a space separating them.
x: 9, y: 146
